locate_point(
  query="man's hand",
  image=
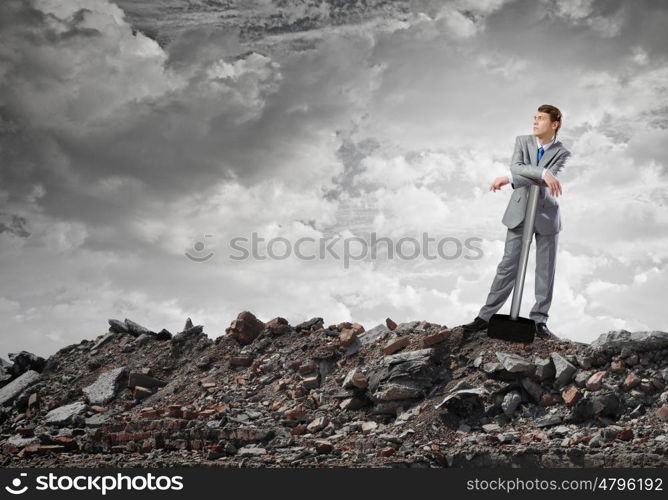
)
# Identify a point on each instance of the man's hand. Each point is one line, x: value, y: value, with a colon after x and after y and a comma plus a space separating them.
x: 499, y: 182
x: 553, y: 183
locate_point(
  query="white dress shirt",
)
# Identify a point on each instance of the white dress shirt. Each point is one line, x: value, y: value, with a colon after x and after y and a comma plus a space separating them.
x: 538, y: 145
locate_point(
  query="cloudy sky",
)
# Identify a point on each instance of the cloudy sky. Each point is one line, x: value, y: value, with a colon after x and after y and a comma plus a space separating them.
x: 134, y: 133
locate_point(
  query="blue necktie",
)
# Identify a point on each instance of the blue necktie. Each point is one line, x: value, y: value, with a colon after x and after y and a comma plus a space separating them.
x: 540, y: 153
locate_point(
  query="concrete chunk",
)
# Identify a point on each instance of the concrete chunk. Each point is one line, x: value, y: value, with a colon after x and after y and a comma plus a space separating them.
x: 515, y: 364
x: 63, y: 414
x: 370, y: 336
x: 544, y: 369
x: 107, y: 337
x: 616, y: 340
x: 104, y: 388
x: 136, y: 329
x: 564, y: 370
x: 117, y: 326
x: 17, y: 386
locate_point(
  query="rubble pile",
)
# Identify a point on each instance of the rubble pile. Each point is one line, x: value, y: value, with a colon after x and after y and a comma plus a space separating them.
x: 269, y: 394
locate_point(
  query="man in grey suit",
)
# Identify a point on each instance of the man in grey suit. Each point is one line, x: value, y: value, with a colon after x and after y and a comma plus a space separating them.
x: 537, y: 159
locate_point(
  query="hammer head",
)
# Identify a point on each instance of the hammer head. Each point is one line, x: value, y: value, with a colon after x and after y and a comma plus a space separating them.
x: 502, y: 327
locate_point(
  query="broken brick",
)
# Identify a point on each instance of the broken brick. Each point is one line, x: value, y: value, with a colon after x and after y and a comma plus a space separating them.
x: 436, y: 338
x: 571, y: 395
x: 594, y: 382
x: 395, y: 345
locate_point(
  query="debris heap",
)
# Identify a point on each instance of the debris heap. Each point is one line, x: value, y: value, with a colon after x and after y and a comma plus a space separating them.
x: 270, y: 394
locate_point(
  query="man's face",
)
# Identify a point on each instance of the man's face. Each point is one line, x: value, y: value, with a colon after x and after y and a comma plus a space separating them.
x: 542, y: 124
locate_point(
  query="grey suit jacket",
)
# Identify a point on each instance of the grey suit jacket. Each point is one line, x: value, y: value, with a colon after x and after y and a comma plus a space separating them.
x: 527, y: 172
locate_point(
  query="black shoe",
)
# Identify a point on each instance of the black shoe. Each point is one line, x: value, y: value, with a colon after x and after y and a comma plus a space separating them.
x: 542, y: 330
x: 477, y: 324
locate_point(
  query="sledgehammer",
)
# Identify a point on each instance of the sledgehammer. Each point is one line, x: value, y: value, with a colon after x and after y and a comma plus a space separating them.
x: 513, y: 327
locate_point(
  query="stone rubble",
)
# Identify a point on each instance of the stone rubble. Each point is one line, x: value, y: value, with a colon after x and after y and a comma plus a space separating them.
x: 269, y: 394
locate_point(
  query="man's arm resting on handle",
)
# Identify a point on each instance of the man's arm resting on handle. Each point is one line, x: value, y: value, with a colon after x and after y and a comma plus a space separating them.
x: 518, y: 167
x: 520, y: 180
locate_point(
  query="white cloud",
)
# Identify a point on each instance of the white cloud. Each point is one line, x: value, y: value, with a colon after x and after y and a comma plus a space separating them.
x: 640, y: 56
x: 8, y: 306
x: 128, y: 153
x: 584, y: 13
x: 574, y: 9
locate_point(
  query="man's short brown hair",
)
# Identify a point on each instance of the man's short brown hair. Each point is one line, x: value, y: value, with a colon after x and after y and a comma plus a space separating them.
x: 555, y: 115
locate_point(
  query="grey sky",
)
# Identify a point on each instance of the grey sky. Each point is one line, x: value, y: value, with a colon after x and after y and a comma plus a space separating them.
x: 119, y: 151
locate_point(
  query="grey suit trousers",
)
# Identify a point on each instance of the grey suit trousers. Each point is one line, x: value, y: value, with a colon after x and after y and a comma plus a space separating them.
x: 504, y: 281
